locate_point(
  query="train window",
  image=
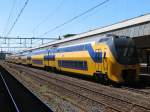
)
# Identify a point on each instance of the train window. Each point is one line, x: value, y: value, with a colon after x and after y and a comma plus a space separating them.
x: 104, y: 39
x: 126, y: 52
x: 38, y: 62
x: 82, y: 65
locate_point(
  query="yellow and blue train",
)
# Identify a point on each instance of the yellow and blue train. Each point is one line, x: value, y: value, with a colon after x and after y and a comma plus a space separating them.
x: 110, y: 58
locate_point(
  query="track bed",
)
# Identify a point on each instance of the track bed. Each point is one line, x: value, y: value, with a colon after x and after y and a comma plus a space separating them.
x: 14, y: 97
x: 85, y: 95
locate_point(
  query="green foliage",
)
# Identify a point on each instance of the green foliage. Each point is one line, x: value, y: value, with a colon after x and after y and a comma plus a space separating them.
x: 68, y: 35
x: 2, y: 55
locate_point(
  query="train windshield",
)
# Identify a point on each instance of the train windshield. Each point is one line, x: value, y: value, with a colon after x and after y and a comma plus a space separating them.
x: 126, y: 51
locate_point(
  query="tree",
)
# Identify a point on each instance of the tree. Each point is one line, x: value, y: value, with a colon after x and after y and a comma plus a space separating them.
x: 68, y: 35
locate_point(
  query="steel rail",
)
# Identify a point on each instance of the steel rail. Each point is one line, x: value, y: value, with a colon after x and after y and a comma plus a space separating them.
x: 7, y: 88
x: 44, y: 75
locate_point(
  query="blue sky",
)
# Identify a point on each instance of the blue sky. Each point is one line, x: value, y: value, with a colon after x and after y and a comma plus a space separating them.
x: 36, y: 10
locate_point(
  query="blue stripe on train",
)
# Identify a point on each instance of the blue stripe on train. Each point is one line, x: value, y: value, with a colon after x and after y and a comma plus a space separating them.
x: 96, y: 56
x: 49, y: 57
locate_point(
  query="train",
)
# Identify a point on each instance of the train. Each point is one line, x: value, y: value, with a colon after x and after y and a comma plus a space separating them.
x: 111, y: 58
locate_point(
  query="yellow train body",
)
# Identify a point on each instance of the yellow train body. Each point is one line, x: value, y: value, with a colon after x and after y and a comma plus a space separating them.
x: 109, y: 65
x: 96, y: 58
x: 37, y: 60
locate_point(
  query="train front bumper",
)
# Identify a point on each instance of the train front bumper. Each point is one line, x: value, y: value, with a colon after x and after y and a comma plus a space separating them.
x: 129, y: 75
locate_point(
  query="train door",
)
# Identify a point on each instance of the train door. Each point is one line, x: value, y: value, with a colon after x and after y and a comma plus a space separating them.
x: 98, y: 59
x: 105, y: 63
x: 29, y: 60
x: 49, y: 53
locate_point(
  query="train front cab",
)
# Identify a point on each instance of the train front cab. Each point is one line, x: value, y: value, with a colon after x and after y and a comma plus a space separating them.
x: 119, y: 59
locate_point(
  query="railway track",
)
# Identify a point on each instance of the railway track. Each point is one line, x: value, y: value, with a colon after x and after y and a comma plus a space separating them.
x: 14, y: 97
x: 87, y: 92
x: 132, y: 89
x: 138, y: 91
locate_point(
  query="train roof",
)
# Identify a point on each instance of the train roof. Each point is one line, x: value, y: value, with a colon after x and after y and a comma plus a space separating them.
x: 122, y: 24
x: 78, y: 44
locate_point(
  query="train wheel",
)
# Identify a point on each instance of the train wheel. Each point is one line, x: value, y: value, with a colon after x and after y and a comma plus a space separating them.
x: 54, y: 69
x: 101, y: 78
x: 106, y: 79
x: 47, y: 68
x: 98, y: 77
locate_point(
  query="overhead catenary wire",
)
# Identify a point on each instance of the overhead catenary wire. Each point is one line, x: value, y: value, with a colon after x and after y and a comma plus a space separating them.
x: 10, y: 14
x: 51, y: 14
x: 74, y: 18
x: 17, y: 18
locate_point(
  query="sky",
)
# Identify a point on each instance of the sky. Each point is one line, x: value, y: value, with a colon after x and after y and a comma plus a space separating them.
x: 56, y: 12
